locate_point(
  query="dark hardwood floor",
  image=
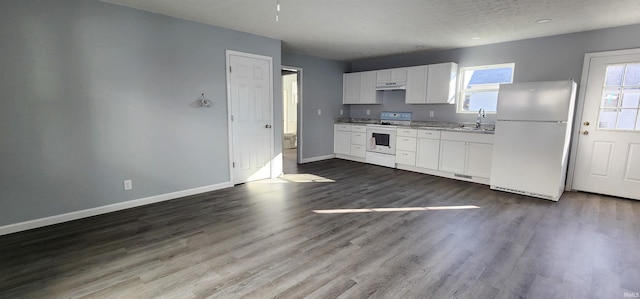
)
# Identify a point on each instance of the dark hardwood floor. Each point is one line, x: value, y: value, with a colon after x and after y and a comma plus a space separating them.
x: 263, y: 240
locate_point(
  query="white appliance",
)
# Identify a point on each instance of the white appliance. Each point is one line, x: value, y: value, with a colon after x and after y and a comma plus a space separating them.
x: 531, y: 142
x: 381, y: 147
x: 382, y: 139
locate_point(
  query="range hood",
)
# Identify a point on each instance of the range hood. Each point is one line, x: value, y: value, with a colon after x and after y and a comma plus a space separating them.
x: 401, y: 85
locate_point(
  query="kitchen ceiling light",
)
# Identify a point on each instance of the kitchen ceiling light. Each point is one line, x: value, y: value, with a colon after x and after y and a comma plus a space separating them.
x: 543, y: 21
x: 475, y: 38
x: 277, y: 10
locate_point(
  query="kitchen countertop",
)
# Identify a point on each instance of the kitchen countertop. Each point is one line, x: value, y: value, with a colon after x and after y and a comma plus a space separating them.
x: 430, y: 125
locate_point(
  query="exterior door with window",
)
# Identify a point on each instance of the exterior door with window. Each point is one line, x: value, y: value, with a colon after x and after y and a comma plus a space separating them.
x: 608, y: 154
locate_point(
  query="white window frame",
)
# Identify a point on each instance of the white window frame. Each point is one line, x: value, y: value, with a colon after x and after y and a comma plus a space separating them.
x: 485, y: 87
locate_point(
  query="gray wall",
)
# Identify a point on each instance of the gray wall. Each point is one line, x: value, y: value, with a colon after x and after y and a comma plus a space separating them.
x: 93, y: 93
x: 557, y: 57
x: 322, y: 89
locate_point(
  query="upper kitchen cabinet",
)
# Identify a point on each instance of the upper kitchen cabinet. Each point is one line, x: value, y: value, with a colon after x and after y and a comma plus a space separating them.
x: 441, y: 83
x: 416, y: 92
x: 432, y: 84
x: 360, y: 88
x: 391, y: 75
x: 351, y: 88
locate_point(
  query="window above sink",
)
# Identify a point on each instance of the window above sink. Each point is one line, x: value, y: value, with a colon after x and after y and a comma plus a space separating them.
x: 479, y: 86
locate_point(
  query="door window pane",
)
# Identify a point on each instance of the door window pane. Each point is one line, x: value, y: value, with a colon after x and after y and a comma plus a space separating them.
x: 614, y: 75
x: 632, y: 75
x: 610, y: 98
x: 630, y: 98
x: 620, y: 102
x: 607, y: 118
x: 627, y: 119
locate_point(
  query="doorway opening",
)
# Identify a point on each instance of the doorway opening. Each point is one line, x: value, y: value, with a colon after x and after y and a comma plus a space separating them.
x: 291, y: 118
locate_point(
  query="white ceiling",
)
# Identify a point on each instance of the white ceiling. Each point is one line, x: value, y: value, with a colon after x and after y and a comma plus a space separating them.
x: 356, y: 29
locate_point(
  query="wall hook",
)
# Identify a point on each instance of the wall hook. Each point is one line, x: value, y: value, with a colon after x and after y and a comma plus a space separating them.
x: 204, y: 102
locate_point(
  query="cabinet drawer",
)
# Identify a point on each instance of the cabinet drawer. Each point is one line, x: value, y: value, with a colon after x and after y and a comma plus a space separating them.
x: 407, y: 132
x: 406, y: 158
x: 358, y: 150
x: 429, y: 134
x: 358, y: 128
x: 406, y: 144
x: 342, y: 127
x: 358, y: 138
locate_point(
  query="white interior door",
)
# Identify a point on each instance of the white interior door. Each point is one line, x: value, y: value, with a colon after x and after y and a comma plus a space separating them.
x: 608, y: 153
x: 250, y: 96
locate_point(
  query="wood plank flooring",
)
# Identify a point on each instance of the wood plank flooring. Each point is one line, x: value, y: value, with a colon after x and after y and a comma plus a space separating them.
x: 264, y: 240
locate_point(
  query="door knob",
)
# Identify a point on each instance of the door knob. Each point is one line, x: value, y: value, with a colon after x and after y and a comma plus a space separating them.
x: 267, y: 126
x: 585, y: 133
x: 586, y: 123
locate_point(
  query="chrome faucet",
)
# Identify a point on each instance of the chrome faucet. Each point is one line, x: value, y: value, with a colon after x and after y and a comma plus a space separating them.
x: 479, y: 118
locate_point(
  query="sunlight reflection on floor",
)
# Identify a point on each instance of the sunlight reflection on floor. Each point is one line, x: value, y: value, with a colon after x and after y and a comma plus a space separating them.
x: 296, y: 178
x: 405, y: 209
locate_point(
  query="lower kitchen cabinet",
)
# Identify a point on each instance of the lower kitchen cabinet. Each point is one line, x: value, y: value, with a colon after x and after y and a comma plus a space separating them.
x: 358, y: 141
x: 359, y: 151
x: 479, y: 159
x: 342, y: 139
x: 453, y: 156
x: 428, y: 153
x: 466, y: 154
x: 406, y: 146
x: 447, y: 153
x: 406, y: 157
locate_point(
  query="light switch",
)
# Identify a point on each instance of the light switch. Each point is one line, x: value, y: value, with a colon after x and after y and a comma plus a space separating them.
x: 341, y: 112
x: 368, y: 112
x: 319, y: 111
x: 432, y: 114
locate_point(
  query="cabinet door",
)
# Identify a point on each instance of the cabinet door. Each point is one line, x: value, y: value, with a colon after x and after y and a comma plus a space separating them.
x: 452, y: 156
x: 399, y: 74
x: 342, y: 142
x: 358, y: 150
x: 441, y: 83
x: 428, y: 153
x: 358, y: 138
x: 383, y: 76
x: 406, y: 144
x: 368, y: 87
x: 479, y: 159
x: 406, y: 158
x: 416, y: 92
x: 351, y: 88
x: 391, y: 75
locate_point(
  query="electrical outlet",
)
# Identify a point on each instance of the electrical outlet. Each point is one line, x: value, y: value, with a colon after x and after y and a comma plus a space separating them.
x: 128, y: 185
x: 432, y: 114
x: 319, y: 111
x: 341, y: 112
x: 368, y: 112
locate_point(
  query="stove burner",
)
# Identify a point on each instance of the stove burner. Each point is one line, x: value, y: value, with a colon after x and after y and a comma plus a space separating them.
x: 386, y: 123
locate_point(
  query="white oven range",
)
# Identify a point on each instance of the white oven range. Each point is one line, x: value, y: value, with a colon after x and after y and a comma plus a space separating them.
x: 381, y: 147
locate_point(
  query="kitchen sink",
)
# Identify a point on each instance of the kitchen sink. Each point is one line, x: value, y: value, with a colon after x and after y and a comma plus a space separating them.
x: 473, y: 129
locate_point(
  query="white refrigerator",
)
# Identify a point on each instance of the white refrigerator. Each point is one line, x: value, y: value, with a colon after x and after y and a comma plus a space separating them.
x: 531, y: 145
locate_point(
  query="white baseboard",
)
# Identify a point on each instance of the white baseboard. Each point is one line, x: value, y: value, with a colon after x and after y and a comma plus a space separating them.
x: 31, y: 224
x: 319, y: 158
